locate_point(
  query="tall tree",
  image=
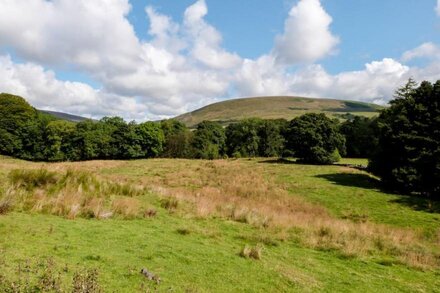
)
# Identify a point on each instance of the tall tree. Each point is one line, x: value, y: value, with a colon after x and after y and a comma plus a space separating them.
x: 243, y: 139
x: 360, y: 135
x: 408, y: 156
x: 178, y: 139
x: 315, y: 139
x: 209, y: 141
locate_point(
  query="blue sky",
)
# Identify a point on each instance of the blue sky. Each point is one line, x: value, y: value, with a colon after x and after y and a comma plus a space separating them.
x: 111, y: 57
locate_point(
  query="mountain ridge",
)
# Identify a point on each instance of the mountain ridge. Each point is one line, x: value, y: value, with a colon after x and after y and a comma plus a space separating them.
x: 276, y: 107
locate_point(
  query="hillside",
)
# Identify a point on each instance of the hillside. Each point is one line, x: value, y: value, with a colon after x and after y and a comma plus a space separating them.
x: 64, y: 116
x: 275, y: 108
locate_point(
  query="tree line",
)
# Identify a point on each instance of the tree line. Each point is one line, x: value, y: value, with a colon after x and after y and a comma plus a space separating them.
x: 402, y: 143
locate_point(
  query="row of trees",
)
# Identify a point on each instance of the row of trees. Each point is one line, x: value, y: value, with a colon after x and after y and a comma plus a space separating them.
x: 29, y: 134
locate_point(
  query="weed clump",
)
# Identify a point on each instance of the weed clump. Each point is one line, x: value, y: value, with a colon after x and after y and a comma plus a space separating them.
x: 47, y: 276
x: 30, y: 179
x: 6, y: 205
x: 86, y: 281
x: 254, y: 252
x: 184, y: 231
x: 170, y: 203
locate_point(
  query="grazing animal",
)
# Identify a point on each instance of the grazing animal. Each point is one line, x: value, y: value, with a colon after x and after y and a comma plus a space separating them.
x: 150, y: 276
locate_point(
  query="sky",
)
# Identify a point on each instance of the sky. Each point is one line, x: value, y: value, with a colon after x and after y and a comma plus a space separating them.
x: 154, y: 59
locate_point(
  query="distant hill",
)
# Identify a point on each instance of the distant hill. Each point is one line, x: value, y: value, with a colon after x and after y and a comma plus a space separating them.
x: 275, y: 108
x: 64, y: 116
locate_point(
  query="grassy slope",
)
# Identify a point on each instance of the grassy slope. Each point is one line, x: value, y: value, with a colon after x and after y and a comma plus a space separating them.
x: 274, y: 108
x: 207, y: 258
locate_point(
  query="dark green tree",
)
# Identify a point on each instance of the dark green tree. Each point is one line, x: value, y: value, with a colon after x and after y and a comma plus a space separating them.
x: 178, y: 139
x: 209, y: 141
x: 361, y: 136
x: 315, y: 139
x: 16, y: 118
x: 58, y: 140
x: 271, y: 142
x: 408, y: 157
x: 243, y: 138
x: 150, y: 139
x: 21, y: 128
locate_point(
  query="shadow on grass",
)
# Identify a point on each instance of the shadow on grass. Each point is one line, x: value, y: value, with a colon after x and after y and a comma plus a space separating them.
x: 419, y: 203
x: 279, y: 161
x: 365, y: 181
x: 352, y: 180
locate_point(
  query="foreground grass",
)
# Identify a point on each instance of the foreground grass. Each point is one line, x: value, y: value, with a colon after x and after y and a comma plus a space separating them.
x: 195, y: 246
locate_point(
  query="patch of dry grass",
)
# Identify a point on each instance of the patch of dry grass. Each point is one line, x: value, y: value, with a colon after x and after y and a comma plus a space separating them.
x: 236, y: 191
x: 71, y: 194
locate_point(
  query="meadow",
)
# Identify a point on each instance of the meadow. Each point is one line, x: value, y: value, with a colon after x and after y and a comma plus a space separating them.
x: 255, y: 225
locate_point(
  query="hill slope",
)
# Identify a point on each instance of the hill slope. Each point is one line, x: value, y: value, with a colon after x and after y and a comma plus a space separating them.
x: 64, y: 116
x: 275, y: 108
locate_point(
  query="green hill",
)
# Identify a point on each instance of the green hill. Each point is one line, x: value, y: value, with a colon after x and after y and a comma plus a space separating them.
x: 275, y: 108
x: 64, y: 116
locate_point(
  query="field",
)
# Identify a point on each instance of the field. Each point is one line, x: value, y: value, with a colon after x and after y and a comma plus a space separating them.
x: 275, y: 108
x: 255, y: 225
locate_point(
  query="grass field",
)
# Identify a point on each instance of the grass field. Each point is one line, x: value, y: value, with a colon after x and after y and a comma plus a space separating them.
x: 193, y: 223
x: 275, y: 108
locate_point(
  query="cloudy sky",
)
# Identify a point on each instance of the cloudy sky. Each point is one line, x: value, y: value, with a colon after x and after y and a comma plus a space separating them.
x: 151, y: 59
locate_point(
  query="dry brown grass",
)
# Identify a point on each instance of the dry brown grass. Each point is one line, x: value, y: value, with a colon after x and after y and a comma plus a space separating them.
x: 240, y: 192
x: 71, y: 194
x: 127, y: 207
x: 254, y: 252
x: 232, y: 190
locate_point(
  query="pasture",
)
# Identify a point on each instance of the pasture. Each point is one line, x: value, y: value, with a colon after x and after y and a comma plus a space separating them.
x: 212, y: 226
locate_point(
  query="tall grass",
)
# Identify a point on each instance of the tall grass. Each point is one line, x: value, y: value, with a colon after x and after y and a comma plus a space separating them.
x: 236, y: 191
x: 70, y: 194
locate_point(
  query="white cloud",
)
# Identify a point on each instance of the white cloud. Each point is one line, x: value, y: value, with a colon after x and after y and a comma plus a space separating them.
x: 44, y: 91
x: 437, y: 8
x: 307, y: 36
x: 376, y: 83
x: 182, y: 67
x: 87, y: 34
x: 207, y: 39
x: 426, y: 50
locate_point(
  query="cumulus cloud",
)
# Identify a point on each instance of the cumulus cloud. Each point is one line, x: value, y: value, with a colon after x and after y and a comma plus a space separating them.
x: 426, y: 50
x: 87, y: 34
x: 182, y: 66
x: 43, y: 90
x: 375, y: 83
x: 307, y: 36
x: 207, y: 40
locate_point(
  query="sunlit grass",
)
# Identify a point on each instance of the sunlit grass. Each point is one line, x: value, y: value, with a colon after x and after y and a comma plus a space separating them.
x: 298, y: 227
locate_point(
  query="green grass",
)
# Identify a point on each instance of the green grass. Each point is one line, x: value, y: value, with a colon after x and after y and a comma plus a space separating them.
x: 206, y: 260
x: 202, y: 254
x: 345, y: 191
x: 275, y: 108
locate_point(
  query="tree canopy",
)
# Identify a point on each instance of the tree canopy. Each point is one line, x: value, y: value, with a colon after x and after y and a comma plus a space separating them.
x: 408, y: 154
x: 315, y: 139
